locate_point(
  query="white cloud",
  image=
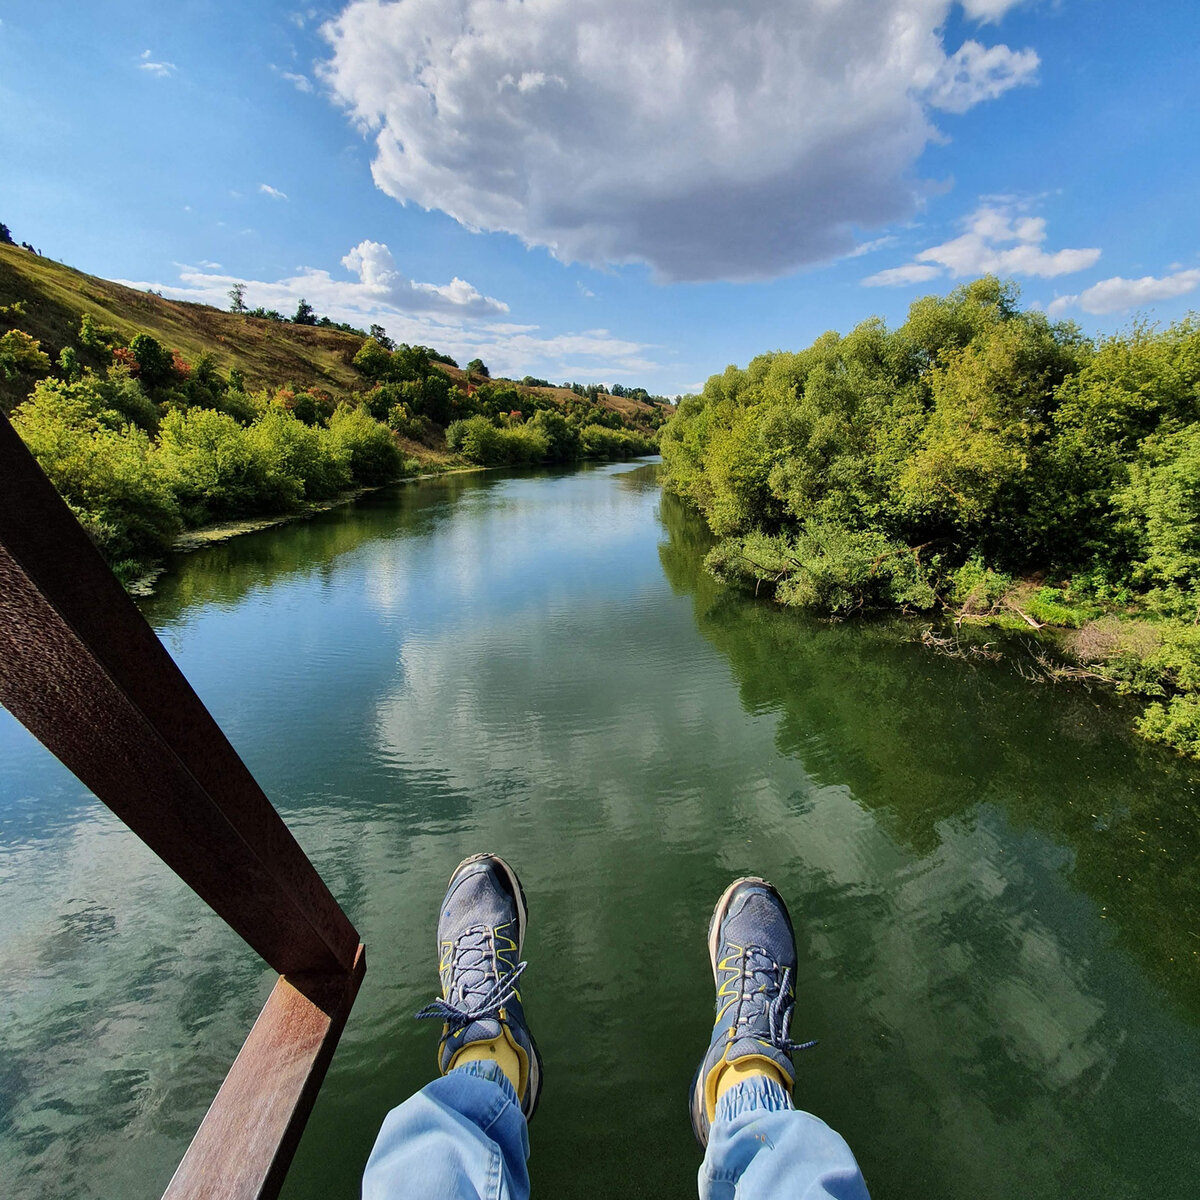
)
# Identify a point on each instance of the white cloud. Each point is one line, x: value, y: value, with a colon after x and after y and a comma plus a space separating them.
x: 372, y: 262
x: 870, y: 247
x: 301, y: 83
x: 711, y: 140
x: 267, y: 190
x: 161, y: 69
x: 1118, y: 294
x: 988, y: 10
x: 997, y: 239
x: 454, y: 317
x: 897, y: 276
x: 975, y: 73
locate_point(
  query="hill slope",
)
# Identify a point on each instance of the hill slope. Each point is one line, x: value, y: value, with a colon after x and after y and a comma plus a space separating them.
x: 269, y: 353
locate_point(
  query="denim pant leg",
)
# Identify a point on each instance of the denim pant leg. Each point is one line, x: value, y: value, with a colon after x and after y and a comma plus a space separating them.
x: 462, y: 1137
x: 761, y: 1148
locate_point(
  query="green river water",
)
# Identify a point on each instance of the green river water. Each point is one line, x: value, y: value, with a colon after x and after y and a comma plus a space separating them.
x: 996, y: 889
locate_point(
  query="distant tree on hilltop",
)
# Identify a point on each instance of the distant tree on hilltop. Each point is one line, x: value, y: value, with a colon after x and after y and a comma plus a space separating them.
x: 237, y: 298
x: 379, y: 334
x: 6, y: 237
x: 305, y: 313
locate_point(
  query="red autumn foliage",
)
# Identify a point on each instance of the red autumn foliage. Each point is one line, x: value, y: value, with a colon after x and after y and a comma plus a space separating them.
x: 123, y: 357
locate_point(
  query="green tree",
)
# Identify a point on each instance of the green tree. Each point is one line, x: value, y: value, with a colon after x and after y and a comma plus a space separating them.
x: 305, y: 314
x: 21, y: 354
x: 237, y: 298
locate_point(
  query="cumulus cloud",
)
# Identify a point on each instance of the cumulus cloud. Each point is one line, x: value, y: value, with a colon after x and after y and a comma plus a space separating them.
x: 997, y: 239
x: 455, y: 317
x: 1119, y: 294
x: 159, y: 68
x: 975, y: 73
x: 267, y: 190
x: 712, y: 140
x: 372, y: 262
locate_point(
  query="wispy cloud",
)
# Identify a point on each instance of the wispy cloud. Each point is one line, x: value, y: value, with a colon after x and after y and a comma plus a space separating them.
x: 1119, y: 294
x: 301, y: 83
x: 997, y: 239
x: 267, y: 190
x: 455, y: 317
x: 159, y: 68
x: 870, y: 247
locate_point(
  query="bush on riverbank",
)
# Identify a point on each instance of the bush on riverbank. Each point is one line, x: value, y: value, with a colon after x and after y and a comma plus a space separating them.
x: 547, y: 437
x: 152, y: 445
x: 946, y: 463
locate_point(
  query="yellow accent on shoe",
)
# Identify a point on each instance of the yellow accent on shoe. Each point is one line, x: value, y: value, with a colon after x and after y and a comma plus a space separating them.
x: 725, y: 1075
x: 502, y: 1050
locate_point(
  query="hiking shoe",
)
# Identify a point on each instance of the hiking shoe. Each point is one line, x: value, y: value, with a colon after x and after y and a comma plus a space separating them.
x: 480, y: 934
x: 753, y: 953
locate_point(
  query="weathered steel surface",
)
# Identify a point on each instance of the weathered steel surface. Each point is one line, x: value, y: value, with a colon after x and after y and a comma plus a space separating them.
x: 245, y: 1144
x: 85, y: 673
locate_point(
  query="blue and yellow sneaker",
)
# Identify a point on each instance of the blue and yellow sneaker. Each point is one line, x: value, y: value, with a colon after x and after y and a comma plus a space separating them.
x: 480, y: 934
x: 753, y: 953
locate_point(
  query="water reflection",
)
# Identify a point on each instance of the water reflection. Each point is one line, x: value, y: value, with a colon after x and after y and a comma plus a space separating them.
x: 995, y: 889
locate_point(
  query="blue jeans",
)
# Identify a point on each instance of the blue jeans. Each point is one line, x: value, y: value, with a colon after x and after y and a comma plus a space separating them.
x: 464, y: 1136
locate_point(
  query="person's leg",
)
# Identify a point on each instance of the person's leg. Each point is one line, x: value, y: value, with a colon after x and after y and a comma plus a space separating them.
x: 464, y: 1135
x: 757, y: 1145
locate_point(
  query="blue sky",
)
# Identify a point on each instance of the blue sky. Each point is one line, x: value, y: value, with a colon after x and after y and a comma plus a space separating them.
x: 609, y: 190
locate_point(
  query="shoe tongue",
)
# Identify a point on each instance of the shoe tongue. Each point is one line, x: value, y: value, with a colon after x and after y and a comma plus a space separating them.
x: 480, y: 1031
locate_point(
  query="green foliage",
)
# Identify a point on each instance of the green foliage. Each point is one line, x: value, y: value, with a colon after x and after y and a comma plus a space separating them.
x: 21, y: 354
x: 365, y: 445
x: 373, y: 360
x: 1160, y: 508
x: 102, y: 339
x: 828, y: 567
x: 154, y: 361
x: 105, y: 472
x: 216, y: 470
x: 476, y: 367
x: 481, y: 441
x: 938, y: 462
x: 975, y: 587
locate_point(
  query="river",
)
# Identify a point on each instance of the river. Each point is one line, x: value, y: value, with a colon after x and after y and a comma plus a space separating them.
x: 996, y: 889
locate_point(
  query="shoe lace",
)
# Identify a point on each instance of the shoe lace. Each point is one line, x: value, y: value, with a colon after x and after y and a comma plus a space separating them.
x: 767, y: 1000
x: 477, y: 990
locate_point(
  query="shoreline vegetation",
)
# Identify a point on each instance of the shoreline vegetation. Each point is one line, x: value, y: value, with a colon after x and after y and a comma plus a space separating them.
x: 148, y: 445
x: 982, y: 466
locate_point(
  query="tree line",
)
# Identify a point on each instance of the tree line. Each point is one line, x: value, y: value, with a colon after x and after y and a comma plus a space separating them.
x: 980, y: 459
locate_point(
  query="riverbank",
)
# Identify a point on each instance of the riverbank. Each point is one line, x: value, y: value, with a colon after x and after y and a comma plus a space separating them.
x: 216, y: 532
x: 1126, y: 649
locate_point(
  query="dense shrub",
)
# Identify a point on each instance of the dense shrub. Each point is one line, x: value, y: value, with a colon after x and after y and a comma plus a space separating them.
x: 938, y: 463
x: 103, y: 469
x: 365, y: 446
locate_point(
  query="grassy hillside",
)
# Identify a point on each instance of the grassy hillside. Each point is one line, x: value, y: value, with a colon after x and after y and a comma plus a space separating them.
x: 268, y: 353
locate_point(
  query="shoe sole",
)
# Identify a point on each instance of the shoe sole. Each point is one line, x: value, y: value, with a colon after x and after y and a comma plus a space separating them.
x: 535, y: 1065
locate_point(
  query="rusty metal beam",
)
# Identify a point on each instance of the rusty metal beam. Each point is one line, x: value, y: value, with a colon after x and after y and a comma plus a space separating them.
x: 85, y: 673
x: 270, y: 1089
